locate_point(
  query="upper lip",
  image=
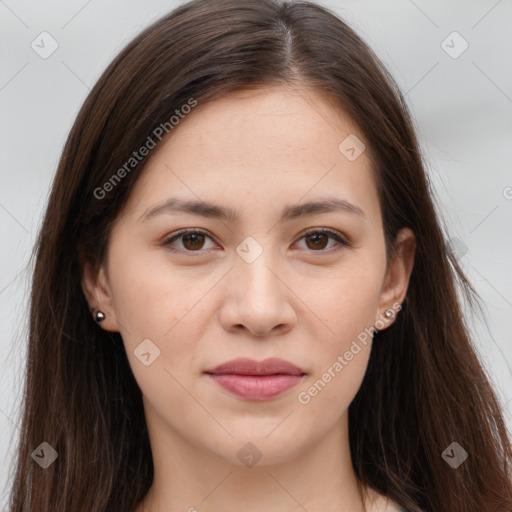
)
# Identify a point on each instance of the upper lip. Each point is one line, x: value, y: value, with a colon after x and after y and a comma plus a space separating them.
x: 245, y: 366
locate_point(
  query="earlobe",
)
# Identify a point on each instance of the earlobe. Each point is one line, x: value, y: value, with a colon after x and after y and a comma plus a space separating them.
x: 96, y: 290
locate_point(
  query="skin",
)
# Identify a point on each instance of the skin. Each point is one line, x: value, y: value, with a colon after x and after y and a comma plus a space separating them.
x: 255, y: 151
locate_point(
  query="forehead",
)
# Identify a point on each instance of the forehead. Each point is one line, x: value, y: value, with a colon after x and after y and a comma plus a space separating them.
x: 277, y: 146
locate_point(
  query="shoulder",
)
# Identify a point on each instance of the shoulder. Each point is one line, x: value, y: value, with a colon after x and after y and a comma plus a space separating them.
x: 393, y: 507
x: 379, y: 503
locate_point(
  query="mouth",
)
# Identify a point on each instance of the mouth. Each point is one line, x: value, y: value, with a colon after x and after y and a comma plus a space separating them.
x: 257, y: 380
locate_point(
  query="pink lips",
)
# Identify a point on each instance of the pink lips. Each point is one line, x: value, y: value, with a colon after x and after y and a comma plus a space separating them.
x: 257, y: 380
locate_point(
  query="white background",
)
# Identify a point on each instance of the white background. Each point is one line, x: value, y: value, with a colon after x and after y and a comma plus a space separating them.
x: 462, y: 108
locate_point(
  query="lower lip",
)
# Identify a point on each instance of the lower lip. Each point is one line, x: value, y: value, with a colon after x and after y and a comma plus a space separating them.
x: 258, y: 388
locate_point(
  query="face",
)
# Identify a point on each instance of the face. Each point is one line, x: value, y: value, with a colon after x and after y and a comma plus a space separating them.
x: 305, y: 287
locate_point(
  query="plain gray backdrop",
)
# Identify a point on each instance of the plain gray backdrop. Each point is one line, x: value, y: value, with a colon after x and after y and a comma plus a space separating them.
x: 452, y: 60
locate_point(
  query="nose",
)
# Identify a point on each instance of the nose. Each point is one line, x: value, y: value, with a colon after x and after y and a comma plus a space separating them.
x: 257, y: 298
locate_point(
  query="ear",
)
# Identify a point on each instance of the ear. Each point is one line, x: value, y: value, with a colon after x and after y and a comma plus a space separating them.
x: 396, y: 280
x: 96, y: 289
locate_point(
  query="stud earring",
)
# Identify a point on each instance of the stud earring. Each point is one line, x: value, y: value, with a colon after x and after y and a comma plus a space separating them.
x: 389, y: 314
x: 99, y: 317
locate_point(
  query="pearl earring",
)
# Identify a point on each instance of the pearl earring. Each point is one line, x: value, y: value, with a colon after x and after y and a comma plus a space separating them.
x: 389, y: 313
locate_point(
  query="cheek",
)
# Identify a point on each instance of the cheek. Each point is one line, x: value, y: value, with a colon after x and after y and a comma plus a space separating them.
x: 152, y: 310
x: 336, y: 379
x: 148, y: 298
x: 346, y: 303
x: 155, y: 311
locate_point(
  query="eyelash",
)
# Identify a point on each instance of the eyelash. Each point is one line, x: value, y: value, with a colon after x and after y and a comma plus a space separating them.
x: 332, y: 233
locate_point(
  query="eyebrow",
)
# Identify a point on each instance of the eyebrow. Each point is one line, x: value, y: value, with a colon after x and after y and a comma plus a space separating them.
x: 211, y: 210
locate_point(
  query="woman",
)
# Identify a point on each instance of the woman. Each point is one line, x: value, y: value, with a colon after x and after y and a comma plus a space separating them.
x: 242, y: 298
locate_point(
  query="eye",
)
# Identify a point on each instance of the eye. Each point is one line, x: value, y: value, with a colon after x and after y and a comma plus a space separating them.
x: 193, y: 240
x: 319, y: 237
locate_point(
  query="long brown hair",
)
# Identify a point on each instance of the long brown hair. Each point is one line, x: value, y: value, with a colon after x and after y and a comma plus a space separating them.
x: 424, y: 387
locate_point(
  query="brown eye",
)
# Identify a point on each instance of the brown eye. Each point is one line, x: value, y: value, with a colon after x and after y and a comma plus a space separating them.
x: 318, y: 239
x: 192, y: 240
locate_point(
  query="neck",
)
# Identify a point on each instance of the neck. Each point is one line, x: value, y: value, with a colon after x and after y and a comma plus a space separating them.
x: 318, y: 477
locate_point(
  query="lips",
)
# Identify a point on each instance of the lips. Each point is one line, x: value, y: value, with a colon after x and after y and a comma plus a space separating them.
x: 245, y: 366
x: 256, y: 380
